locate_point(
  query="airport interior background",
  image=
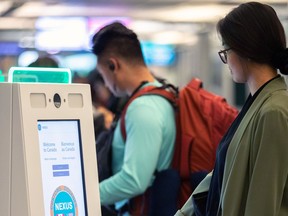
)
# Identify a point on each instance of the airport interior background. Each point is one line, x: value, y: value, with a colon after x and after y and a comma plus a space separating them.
x: 178, y: 37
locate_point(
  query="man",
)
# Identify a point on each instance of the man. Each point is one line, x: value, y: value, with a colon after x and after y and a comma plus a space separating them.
x: 149, y: 120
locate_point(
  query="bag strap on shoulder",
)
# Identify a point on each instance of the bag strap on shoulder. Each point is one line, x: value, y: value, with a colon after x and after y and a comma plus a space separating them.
x: 168, y: 91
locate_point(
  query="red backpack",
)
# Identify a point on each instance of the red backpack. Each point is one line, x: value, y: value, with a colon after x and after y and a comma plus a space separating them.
x: 202, y: 118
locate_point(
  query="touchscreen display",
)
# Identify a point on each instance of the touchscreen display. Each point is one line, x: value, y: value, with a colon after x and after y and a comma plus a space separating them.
x: 61, y: 167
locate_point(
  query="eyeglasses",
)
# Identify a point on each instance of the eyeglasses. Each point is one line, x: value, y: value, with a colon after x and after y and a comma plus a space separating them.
x: 223, y: 55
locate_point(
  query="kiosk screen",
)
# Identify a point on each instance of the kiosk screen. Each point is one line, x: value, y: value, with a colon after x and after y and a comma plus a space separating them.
x: 61, y: 167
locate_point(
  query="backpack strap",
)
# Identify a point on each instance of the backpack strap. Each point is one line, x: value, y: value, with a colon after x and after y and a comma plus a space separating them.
x: 168, y: 91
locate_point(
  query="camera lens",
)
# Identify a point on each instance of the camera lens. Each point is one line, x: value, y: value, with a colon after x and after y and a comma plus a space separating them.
x: 57, y: 100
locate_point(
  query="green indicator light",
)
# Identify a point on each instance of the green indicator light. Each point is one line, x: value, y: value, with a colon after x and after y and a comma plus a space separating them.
x: 39, y: 75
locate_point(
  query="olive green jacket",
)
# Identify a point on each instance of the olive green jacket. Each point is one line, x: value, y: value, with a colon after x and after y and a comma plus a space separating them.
x: 255, y: 180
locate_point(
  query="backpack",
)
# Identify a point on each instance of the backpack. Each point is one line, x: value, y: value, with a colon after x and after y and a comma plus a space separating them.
x: 104, y: 151
x: 104, y: 138
x: 202, y: 118
x: 104, y: 160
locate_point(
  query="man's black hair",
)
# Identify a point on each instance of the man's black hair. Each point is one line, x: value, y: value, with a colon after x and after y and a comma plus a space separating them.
x: 118, y: 39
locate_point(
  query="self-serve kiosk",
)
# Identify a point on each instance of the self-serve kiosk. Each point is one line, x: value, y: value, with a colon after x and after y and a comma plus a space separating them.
x: 47, y: 151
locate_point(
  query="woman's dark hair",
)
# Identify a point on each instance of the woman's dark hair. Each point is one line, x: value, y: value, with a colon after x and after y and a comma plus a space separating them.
x: 254, y: 31
x: 118, y: 39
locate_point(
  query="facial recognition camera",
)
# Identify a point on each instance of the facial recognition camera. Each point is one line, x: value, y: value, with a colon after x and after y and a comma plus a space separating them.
x: 57, y: 100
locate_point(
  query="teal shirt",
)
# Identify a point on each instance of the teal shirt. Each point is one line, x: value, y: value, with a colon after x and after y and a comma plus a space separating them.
x: 151, y: 132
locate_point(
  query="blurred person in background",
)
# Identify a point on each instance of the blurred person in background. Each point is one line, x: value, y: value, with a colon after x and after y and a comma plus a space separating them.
x: 45, y: 61
x: 105, y: 104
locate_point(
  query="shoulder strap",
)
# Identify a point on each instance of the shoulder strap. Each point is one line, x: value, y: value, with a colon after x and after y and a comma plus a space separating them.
x: 167, y: 91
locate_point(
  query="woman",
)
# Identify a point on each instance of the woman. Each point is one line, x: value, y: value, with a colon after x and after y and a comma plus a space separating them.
x: 251, y: 169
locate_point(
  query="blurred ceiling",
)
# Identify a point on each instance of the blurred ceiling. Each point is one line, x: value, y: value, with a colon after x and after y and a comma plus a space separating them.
x: 21, y: 15
x: 159, y: 10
